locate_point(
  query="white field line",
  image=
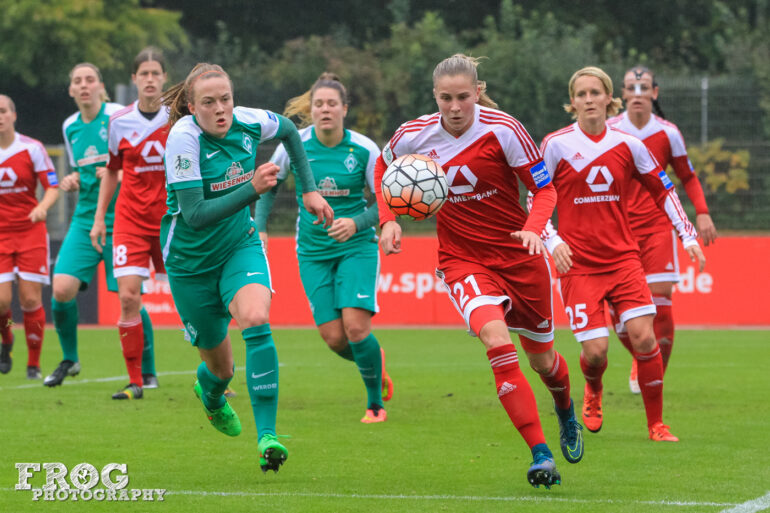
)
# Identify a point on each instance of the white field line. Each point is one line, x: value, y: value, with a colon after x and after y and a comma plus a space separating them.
x: 467, y: 498
x: 752, y: 506
x: 76, y: 381
x: 470, y: 498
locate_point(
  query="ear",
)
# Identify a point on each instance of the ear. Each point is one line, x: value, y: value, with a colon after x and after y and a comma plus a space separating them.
x: 133, y: 78
x: 191, y: 108
x: 655, y: 93
x: 344, y: 110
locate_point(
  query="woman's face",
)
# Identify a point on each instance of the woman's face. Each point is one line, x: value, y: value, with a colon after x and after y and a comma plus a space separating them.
x: 638, y: 93
x: 85, y: 87
x: 456, y: 97
x: 212, y: 104
x: 149, y: 80
x: 7, y: 116
x: 590, y: 100
x: 327, y: 110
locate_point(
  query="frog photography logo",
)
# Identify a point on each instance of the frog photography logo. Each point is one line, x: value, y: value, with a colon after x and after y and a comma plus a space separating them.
x: 83, y: 483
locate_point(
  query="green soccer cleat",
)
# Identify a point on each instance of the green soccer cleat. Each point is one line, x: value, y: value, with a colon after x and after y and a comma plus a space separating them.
x: 6, y: 357
x: 570, y: 433
x: 223, y: 419
x: 272, y: 453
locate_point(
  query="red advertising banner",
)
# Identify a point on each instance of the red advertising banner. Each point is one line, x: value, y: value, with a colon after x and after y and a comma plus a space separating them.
x: 734, y: 289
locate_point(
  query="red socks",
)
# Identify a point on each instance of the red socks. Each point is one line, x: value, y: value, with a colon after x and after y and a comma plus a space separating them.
x: 557, y: 381
x: 650, y: 372
x: 515, y: 394
x: 593, y: 374
x: 663, y: 326
x: 34, y: 326
x: 132, y: 342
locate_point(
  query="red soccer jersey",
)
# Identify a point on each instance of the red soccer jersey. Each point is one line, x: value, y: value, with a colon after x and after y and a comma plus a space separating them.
x: 481, y: 167
x: 593, y: 177
x: 666, y: 143
x: 137, y: 146
x: 22, y: 165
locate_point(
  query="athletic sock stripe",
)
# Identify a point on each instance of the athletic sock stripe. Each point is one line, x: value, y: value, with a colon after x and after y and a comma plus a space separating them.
x: 506, y: 359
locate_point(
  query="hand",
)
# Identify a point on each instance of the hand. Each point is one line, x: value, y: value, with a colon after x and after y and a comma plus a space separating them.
x: 561, y: 255
x: 263, y: 238
x: 265, y: 177
x: 98, y: 234
x: 697, y: 254
x: 38, y: 214
x: 70, y: 182
x: 390, y: 238
x: 706, y: 228
x: 530, y: 241
x: 342, y: 229
x: 317, y: 206
x: 100, y: 172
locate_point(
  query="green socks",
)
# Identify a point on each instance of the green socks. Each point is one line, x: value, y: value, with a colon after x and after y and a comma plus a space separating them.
x: 65, y: 320
x: 148, y: 353
x: 369, y: 361
x: 213, y: 388
x: 262, y: 377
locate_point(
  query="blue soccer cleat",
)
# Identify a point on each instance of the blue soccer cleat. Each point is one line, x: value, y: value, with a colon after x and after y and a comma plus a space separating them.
x: 570, y: 433
x: 543, y: 469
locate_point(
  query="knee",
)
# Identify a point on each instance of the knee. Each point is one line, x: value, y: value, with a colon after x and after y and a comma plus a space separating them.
x: 594, y: 356
x: 28, y: 304
x: 63, y: 292
x: 642, y: 339
x: 254, y: 316
x: 4, y: 306
x: 130, y: 300
x: 336, y: 344
x: 356, y: 332
x: 495, y: 340
x: 542, y: 363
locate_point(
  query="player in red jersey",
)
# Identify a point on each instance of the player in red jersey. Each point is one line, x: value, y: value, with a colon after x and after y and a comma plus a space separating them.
x: 491, y: 258
x: 137, y: 140
x: 23, y: 238
x: 595, y: 253
x: 651, y: 229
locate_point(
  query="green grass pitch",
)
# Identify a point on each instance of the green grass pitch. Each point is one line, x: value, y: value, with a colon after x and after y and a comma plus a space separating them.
x: 447, y: 445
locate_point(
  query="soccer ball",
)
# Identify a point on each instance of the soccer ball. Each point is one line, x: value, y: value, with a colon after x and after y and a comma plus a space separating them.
x: 414, y: 186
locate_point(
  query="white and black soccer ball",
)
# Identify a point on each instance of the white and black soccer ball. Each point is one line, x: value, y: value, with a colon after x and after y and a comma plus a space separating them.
x: 414, y: 186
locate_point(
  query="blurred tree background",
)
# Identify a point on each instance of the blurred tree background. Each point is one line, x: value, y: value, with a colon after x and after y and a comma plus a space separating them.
x: 712, y: 60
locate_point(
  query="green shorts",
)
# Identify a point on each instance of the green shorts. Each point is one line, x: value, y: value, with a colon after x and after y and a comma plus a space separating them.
x: 78, y: 258
x: 348, y: 281
x: 203, y: 300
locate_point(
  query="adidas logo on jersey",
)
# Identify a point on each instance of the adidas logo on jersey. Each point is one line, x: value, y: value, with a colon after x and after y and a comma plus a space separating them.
x: 433, y: 155
x: 577, y: 156
x: 670, y: 267
x: 543, y: 324
x: 505, y: 388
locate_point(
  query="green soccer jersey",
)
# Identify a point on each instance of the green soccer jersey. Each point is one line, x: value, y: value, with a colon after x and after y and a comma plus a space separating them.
x: 87, y: 149
x: 219, y: 166
x: 341, y: 173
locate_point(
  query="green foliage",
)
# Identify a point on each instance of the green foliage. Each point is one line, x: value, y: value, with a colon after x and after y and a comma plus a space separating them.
x: 720, y: 168
x: 42, y: 40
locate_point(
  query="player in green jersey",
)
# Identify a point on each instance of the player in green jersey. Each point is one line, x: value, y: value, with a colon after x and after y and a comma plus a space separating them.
x: 215, y: 261
x: 338, y: 266
x: 85, y: 137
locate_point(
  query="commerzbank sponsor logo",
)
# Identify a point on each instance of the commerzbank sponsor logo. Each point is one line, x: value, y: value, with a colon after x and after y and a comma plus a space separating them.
x: 83, y: 483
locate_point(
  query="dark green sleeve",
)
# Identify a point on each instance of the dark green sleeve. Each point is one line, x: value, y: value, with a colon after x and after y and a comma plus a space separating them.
x: 265, y: 206
x: 368, y: 218
x: 199, y: 212
x: 288, y: 134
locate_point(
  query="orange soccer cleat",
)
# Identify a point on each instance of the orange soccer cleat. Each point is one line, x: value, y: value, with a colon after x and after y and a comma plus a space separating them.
x: 659, y: 432
x: 592, y: 410
x: 633, y: 379
x: 371, y: 417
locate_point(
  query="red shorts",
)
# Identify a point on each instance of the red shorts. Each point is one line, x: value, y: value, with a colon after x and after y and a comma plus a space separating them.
x: 583, y: 296
x: 25, y: 254
x: 659, y: 258
x: 524, y: 291
x: 132, y: 255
